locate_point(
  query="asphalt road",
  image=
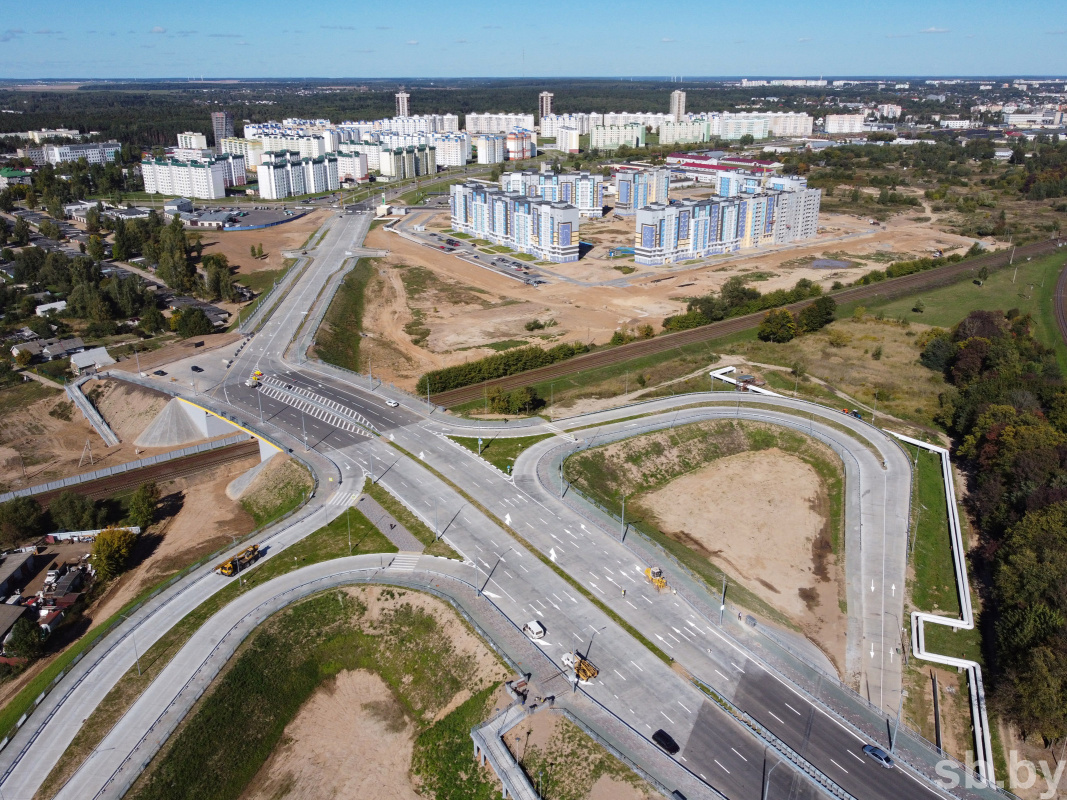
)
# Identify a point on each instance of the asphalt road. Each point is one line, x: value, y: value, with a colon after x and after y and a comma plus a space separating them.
x: 634, y: 684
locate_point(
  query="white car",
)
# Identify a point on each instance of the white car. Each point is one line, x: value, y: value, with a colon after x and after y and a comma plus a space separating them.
x: 534, y: 629
x: 392, y: 403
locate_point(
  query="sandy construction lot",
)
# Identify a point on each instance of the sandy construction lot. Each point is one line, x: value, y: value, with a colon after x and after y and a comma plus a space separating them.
x: 288, y: 236
x: 353, y: 738
x: 762, y: 515
x: 580, y: 300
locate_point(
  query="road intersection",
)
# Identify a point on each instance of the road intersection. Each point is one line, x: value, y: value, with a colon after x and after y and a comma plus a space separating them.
x: 537, y: 554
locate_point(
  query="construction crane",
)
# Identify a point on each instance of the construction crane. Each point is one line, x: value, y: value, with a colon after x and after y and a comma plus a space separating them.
x: 584, y: 669
x: 655, y: 577
x: 240, y: 561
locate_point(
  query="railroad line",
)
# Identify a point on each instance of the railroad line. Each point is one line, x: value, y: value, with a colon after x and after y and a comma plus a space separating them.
x: 887, y: 289
x: 167, y: 471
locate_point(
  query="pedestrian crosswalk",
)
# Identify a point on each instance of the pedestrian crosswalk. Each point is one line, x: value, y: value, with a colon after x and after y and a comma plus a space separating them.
x: 323, y: 402
x: 344, y: 499
x: 404, y: 562
x: 313, y: 410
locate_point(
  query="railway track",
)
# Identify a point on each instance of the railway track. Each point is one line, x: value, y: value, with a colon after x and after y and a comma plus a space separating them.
x: 167, y: 471
x: 893, y: 287
x: 1059, y: 299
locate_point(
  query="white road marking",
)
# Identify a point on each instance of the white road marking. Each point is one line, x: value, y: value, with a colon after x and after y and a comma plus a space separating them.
x: 619, y: 674
x: 739, y: 755
x: 839, y: 766
x: 854, y: 756
x: 679, y: 702
x: 792, y: 709
x: 667, y: 718
x: 635, y: 664
x: 722, y: 676
x: 776, y: 717
x: 724, y: 769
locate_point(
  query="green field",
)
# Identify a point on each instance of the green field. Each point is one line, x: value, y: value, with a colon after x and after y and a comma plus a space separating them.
x: 499, y: 451
x: 337, y: 340
x: 933, y: 587
x: 1031, y: 291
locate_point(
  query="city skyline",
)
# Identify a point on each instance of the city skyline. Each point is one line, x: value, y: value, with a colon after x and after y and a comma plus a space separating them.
x: 118, y: 39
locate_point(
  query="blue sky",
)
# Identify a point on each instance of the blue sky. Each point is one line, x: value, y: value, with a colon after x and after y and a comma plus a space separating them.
x: 416, y: 38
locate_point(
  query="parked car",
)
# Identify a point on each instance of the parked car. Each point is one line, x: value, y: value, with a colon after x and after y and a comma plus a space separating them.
x: 195, y: 368
x: 159, y: 372
x: 392, y: 403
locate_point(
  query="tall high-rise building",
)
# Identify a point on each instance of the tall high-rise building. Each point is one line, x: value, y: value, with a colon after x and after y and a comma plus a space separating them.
x: 403, y: 109
x: 678, y: 105
x: 544, y: 105
x: 222, y: 126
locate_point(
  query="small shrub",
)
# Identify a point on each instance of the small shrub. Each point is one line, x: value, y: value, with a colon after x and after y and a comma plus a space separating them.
x: 876, y: 354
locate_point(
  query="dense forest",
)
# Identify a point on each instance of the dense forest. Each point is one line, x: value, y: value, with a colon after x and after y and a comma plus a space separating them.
x: 1007, y: 410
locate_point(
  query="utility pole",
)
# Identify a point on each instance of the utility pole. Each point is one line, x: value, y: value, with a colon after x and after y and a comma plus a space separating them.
x: 137, y: 358
x: 722, y: 604
x: 767, y: 779
x: 348, y: 519
x: 622, y: 528
x: 896, y: 725
x: 259, y: 400
x: 303, y: 430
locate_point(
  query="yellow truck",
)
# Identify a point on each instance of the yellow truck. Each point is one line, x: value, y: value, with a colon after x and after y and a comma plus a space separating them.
x: 242, y: 560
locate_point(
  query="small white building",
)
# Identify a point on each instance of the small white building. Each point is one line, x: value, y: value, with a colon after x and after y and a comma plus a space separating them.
x: 90, y: 361
x: 45, y: 309
x: 191, y: 140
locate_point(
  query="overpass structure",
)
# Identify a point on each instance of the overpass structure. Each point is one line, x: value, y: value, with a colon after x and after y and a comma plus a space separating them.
x: 529, y: 550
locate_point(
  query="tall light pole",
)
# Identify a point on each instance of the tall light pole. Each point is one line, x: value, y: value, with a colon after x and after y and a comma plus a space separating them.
x: 348, y: 520
x: 259, y: 400
x: 133, y: 638
x: 767, y: 777
x: 896, y: 725
x: 303, y: 430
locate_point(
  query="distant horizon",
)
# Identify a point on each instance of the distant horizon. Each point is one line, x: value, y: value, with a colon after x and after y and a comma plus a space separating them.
x: 1012, y: 76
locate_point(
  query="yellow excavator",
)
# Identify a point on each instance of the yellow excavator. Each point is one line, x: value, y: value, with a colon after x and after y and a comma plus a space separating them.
x: 583, y: 668
x: 655, y: 577
x: 239, y: 562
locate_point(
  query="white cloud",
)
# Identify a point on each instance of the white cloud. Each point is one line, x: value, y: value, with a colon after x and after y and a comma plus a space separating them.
x: 412, y: 42
x: 934, y: 30
x: 158, y: 29
x: 667, y: 39
x: 804, y: 39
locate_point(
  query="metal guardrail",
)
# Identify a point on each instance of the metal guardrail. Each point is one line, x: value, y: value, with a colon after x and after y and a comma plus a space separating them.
x: 119, y: 469
x: 74, y: 392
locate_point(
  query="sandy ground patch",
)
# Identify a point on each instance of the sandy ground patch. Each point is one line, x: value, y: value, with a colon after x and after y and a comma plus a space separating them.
x: 47, y: 436
x: 199, y: 520
x: 460, y: 332
x: 127, y: 408
x: 289, y: 236
x: 351, y: 739
x: 761, y: 514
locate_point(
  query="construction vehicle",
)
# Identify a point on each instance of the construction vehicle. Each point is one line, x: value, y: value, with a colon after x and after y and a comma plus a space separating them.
x: 655, y: 577
x: 241, y: 561
x: 584, y: 669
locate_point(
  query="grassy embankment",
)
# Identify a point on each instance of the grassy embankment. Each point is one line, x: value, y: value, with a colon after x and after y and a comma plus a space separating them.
x: 643, y: 468
x: 499, y: 451
x: 221, y: 747
x: 329, y: 542
x: 337, y: 340
x: 261, y: 283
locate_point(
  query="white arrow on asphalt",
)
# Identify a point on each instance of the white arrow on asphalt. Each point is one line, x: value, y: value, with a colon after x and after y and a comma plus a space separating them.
x: 507, y: 519
x: 894, y: 590
x: 422, y: 456
x: 872, y: 650
x: 872, y: 584
x: 390, y: 437
x: 552, y: 555
x: 490, y: 594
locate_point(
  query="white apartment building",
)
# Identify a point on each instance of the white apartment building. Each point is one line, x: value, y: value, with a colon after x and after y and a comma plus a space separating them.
x: 610, y: 137
x: 584, y: 190
x: 191, y: 140
x: 250, y: 149
x: 491, y: 148
x: 307, y: 146
x: 889, y: 110
x: 637, y: 188
x: 677, y: 105
x: 843, y: 123
x: 97, y: 153
x: 789, y: 123
x: 567, y: 140
x: 643, y: 118
x: 235, y: 174
x: 403, y: 104
x: 287, y: 174
x: 1045, y: 118
x: 453, y: 149
x: 733, y: 126
x: 542, y: 228
x: 498, y: 123
x: 684, y: 132
x: 425, y: 123
x: 205, y: 180
x: 352, y: 167
x: 50, y: 133
x: 582, y: 123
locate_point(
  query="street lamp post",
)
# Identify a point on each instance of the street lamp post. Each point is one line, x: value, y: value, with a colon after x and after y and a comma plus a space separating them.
x: 133, y: 639
x: 767, y: 779
x: 259, y: 400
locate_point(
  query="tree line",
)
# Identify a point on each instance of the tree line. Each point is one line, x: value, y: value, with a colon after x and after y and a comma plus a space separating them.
x: 736, y: 299
x: 1006, y: 407
x: 510, y: 362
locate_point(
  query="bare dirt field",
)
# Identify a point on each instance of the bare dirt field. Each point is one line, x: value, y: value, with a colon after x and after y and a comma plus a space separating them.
x: 198, y: 519
x: 353, y: 738
x: 569, y: 763
x: 41, y: 430
x: 455, y: 329
x: 289, y: 236
x: 763, y: 514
